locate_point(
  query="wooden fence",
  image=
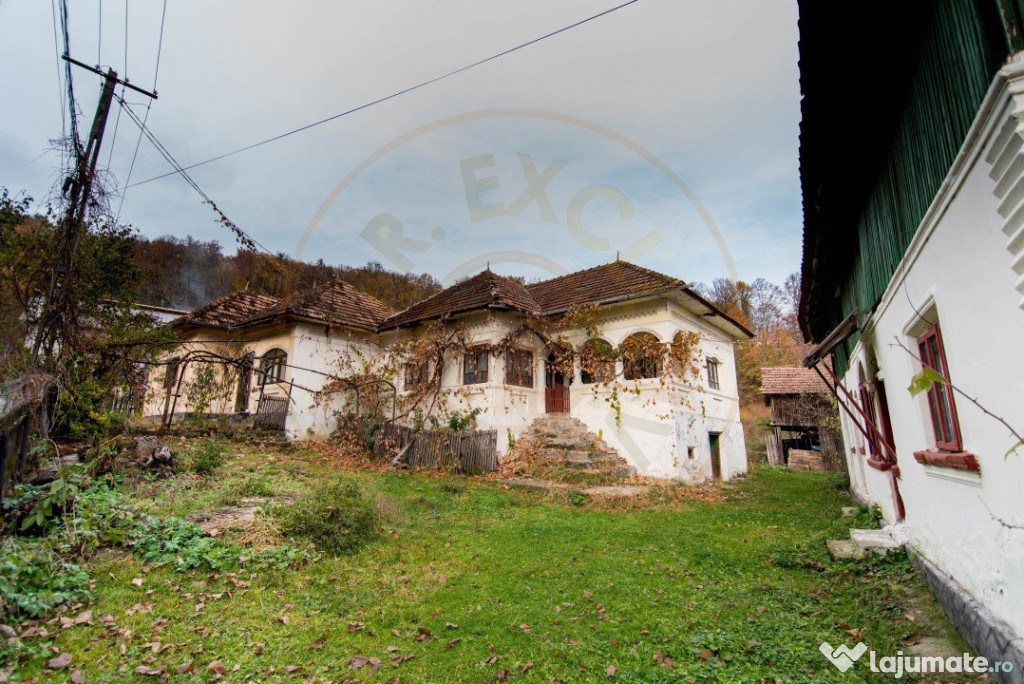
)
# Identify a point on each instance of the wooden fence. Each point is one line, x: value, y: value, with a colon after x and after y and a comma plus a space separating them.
x: 470, y: 451
x: 23, y: 421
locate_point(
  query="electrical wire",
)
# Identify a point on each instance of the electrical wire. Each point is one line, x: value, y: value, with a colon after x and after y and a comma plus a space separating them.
x: 246, y: 239
x: 60, y: 88
x: 69, y: 82
x: 160, y: 44
x: 117, y: 124
x: 391, y: 96
x: 126, y: 40
x: 145, y: 118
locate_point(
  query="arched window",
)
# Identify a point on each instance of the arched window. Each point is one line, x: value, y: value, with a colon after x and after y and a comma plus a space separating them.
x: 272, y: 366
x: 641, y: 356
x: 683, y: 358
x: 597, y: 361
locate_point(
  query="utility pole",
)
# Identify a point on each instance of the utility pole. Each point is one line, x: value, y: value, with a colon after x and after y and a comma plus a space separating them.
x: 59, y: 313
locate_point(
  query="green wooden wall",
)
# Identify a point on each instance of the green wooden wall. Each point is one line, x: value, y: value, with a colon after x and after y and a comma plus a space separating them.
x: 956, y: 64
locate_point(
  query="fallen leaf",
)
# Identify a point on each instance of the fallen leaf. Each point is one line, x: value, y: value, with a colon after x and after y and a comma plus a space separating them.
x: 148, y: 671
x: 217, y: 668
x: 284, y: 620
x: 451, y: 625
x: 61, y: 661
x: 137, y: 581
x: 527, y: 666
x: 451, y: 644
x: 77, y: 677
x: 611, y: 670
x: 361, y: 661
x: 356, y: 626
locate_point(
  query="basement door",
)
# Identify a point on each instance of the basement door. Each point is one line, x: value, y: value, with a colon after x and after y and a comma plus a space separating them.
x: 714, y: 439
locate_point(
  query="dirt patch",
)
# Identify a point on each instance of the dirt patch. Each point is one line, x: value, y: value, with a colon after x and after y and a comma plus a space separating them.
x: 245, y: 516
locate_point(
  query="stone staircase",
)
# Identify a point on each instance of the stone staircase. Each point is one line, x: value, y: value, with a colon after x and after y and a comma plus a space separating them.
x: 565, y: 439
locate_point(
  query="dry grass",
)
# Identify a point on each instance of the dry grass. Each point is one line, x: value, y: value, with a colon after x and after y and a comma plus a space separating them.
x: 263, y: 533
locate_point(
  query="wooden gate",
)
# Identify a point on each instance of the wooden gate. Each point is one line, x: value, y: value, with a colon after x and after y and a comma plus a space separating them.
x: 556, y: 399
x: 271, y: 413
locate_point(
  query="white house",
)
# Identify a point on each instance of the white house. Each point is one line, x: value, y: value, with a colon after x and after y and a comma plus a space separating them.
x: 500, y: 351
x: 912, y: 165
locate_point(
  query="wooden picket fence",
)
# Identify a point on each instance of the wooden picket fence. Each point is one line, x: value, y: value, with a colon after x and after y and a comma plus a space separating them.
x: 470, y: 451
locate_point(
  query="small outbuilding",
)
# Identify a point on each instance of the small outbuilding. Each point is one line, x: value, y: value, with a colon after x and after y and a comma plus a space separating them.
x: 804, y: 419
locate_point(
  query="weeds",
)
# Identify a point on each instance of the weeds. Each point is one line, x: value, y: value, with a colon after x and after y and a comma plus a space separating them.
x: 208, y: 459
x: 336, y: 517
x: 34, y: 580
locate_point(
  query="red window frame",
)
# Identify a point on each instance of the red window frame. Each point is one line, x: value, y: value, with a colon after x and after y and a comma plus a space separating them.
x: 941, y: 404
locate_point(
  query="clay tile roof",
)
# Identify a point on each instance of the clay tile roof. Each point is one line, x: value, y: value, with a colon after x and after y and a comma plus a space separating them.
x: 600, y: 284
x: 227, y: 312
x: 486, y: 290
x: 789, y: 380
x: 335, y: 303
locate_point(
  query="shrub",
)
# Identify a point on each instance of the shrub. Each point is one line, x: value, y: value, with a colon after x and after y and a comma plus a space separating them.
x: 208, y: 459
x: 34, y: 580
x: 336, y: 517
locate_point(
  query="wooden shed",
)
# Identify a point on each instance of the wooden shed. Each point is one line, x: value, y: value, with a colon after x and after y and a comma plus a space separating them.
x: 804, y: 419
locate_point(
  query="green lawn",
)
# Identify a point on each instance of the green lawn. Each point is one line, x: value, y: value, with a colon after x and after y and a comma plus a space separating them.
x: 470, y: 581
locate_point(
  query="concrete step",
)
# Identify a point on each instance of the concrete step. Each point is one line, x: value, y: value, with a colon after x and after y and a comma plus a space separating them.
x: 878, y: 541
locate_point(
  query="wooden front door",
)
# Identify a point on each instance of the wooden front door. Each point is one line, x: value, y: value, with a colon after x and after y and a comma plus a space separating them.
x: 556, y: 390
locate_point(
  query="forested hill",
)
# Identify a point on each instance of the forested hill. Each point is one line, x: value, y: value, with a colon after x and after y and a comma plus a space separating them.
x: 185, y: 274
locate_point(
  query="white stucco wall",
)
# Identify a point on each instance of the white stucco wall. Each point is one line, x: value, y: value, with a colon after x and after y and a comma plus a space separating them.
x: 654, y: 430
x: 663, y: 431
x: 959, y: 271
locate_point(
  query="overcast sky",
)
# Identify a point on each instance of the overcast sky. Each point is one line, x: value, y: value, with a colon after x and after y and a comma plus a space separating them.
x: 665, y: 131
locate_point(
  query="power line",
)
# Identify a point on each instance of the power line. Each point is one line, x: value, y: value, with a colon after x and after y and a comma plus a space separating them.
x: 149, y: 105
x: 126, y: 39
x: 160, y: 44
x: 69, y: 82
x: 244, y: 238
x: 60, y: 86
x: 392, y: 95
x: 113, y: 139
